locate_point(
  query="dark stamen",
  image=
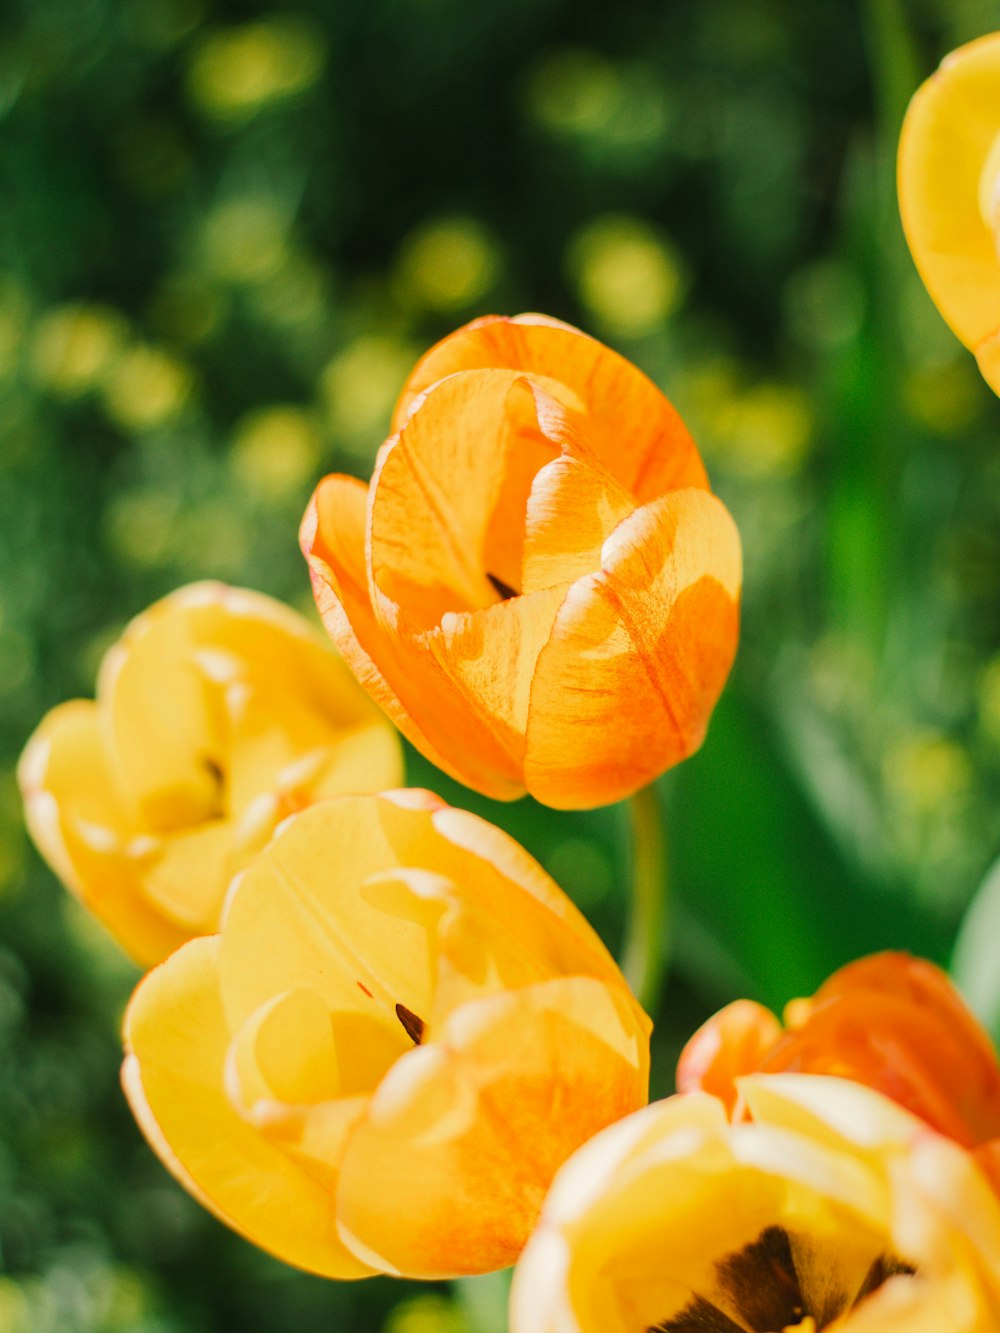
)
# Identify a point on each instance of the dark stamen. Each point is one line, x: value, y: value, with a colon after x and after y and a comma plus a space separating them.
x: 700, y: 1316
x: 761, y: 1282
x: 413, y: 1025
x: 504, y: 590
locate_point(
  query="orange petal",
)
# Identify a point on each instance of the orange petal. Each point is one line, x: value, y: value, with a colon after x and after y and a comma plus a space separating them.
x: 638, y: 655
x: 635, y: 431
x: 573, y: 508
x: 897, y: 1024
x: 948, y: 136
x: 455, y: 478
x: 490, y: 656
x: 732, y: 1043
x: 988, y: 1157
x: 177, y: 1038
x: 79, y: 824
x: 406, y: 683
x: 516, y: 1083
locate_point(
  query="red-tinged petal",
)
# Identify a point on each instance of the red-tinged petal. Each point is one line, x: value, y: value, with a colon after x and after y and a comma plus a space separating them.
x: 897, y: 1025
x: 638, y: 655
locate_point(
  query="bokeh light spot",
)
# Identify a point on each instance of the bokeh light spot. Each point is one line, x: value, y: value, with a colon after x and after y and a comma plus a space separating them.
x: 627, y: 275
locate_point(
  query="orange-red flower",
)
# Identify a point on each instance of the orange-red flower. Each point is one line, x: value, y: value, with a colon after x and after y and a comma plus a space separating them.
x: 401, y: 1032
x: 949, y: 195
x: 538, y: 586
x: 892, y: 1022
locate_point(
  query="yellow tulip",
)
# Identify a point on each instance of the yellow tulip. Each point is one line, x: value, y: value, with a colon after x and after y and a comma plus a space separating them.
x: 402, y: 1031
x: 218, y: 713
x: 949, y: 195
x: 538, y: 586
x: 831, y: 1209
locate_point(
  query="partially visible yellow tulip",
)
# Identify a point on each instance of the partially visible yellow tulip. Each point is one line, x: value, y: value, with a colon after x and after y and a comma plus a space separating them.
x: 832, y: 1209
x: 402, y: 1031
x: 218, y: 713
x: 949, y: 195
x: 538, y: 586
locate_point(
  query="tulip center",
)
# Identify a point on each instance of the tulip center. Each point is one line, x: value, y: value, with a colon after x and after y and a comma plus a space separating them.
x: 770, y: 1293
x: 989, y: 190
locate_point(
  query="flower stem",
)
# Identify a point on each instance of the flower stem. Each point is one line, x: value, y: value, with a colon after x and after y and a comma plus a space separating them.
x: 644, y: 955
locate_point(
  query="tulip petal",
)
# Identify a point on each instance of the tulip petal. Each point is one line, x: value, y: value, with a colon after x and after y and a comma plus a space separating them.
x: 405, y: 683
x: 297, y: 917
x: 733, y: 1042
x: 491, y: 655
x: 897, y: 1024
x: 177, y: 1038
x: 948, y: 135
x: 527, y: 1075
x: 492, y: 860
x: 638, y: 435
x: 162, y: 726
x: 573, y: 508
x: 638, y: 655
x: 442, y: 497
x: 186, y: 874
x: 77, y: 820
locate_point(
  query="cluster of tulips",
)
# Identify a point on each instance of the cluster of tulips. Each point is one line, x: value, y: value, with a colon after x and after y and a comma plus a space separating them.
x: 375, y: 1037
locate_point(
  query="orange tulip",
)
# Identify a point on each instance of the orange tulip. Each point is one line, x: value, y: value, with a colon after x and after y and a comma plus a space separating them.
x: 827, y: 1208
x: 217, y: 713
x: 949, y: 195
x: 402, y: 1031
x: 892, y: 1022
x: 538, y: 586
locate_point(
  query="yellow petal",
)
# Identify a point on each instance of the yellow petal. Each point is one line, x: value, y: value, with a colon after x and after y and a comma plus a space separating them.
x: 185, y: 875
x: 79, y: 824
x: 487, y: 866
x: 465, y: 1134
x: 298, y: 917
x: 285, y: 1052
x: 638, y: 655
x: 635, y: 431
x: 162, y: 728
x: 177, y: 1040
x: 948, y: 136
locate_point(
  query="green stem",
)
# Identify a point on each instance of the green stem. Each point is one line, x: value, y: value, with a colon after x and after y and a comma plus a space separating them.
x: 644, y: 955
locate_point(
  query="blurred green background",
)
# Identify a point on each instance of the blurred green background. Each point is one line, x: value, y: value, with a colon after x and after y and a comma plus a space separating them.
x: 227, y: 231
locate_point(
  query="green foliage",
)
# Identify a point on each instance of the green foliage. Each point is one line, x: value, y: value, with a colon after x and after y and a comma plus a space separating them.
x: 228, y: 230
